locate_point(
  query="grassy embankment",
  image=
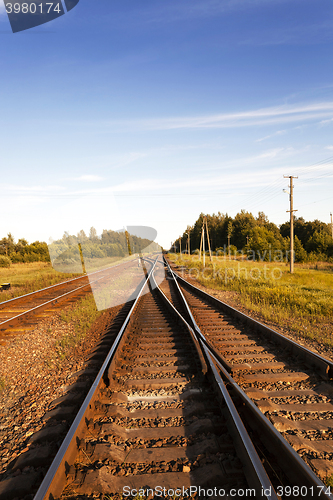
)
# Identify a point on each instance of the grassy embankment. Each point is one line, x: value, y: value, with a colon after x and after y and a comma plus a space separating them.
x: 80, y: 317
x: 31, y: 276
x: 302, y: 302
x: 28, y: 277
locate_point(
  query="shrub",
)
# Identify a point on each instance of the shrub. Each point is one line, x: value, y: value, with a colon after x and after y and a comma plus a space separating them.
x: 5, y: 261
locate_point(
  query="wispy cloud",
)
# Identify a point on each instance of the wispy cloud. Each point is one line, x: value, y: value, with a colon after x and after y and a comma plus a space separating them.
x: 324, y: 122
x: 330, y: 148
x: 187, y: 9
x: 279, y: 132
x: 191, y: 9
x: 263, y: 116
x: 301, y: 34
x: 50, y: 188
x: 88, y: 178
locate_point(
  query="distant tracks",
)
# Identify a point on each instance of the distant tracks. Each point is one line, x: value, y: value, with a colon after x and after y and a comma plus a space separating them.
x: 17, y: 313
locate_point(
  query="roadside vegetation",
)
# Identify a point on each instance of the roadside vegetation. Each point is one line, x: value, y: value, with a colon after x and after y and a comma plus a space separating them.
x: 259, y: 239
x: 302, y: 301
x: 28, y: 277
x: 80, y: 316
x: 22, y: 251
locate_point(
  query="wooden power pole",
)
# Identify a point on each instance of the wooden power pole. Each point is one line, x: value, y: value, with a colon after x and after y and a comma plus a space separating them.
x: 210, y: 251
x: 331, y: 225
x: 202, y: 241
x: 291, y: 198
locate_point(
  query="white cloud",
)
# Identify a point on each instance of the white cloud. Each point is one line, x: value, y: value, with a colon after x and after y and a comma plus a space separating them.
x: 31, y: 189
x: 262, y: 116
x: 324, y: 122
x: 88, y: 178
x: 329, y: 147
x: 279, y: 132
x: 192, y: 9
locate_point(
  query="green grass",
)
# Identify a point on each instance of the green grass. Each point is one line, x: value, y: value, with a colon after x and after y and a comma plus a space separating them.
x: 329, y: 481
x: 28, y: 277
x: 81, y: 315
x: 302, y: 301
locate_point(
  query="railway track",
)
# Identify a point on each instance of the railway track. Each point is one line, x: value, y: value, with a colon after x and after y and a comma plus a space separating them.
x: 289, y: 384
x: 164, y: 418
x: 155, y: 418
x: 21, y: 313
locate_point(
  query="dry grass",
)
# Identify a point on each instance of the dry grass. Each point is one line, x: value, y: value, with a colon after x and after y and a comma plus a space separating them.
x: 28, y: 277
x: 302, y: 301
x: 81, y: 315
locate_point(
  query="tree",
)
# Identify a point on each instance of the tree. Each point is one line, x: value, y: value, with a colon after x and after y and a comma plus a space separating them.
x: 69, y: 239
x: 81, y: 236
x: 319, y: 242
x: 262, y: 219
x: 23, y: 242
x: 300, y: 253
x: 92, y: 233
x: 7, y: 244
x: 243, y: 223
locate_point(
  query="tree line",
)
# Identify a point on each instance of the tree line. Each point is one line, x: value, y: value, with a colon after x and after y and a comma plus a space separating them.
x: 260, y: 239
x: 109, y: 244
x: 22, y: 251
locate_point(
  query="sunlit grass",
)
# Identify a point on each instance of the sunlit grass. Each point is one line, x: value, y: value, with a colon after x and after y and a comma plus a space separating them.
x: 81, y: 316
x: 303, y: 301
x: 28, y: 277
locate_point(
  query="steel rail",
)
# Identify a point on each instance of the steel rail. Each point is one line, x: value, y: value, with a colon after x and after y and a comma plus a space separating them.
x: 292, y: 463
x: 16, y: 299
x: 29, y: 312
x: 53, y: 482
x: 19, y: 317
x: 255, y: 473
x: 226, y: 365
x: 61, y: 283
x: 174, y: 311
x: 323, y: 366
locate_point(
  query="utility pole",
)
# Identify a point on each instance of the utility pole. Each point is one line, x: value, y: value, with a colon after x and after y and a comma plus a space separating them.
x: 180, y: 246
x: 188, y: 242
x: 210, y: 252
x: 229, y: 236
x: 291, y: 198
x: 331, y: 225
x: 203, y: 244
x: 82, y: 259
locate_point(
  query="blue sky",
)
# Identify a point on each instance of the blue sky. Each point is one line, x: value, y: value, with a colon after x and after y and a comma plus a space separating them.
x: 148, y: 112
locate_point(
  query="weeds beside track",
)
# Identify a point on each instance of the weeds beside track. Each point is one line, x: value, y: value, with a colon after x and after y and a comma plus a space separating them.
x: 302, y: 302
